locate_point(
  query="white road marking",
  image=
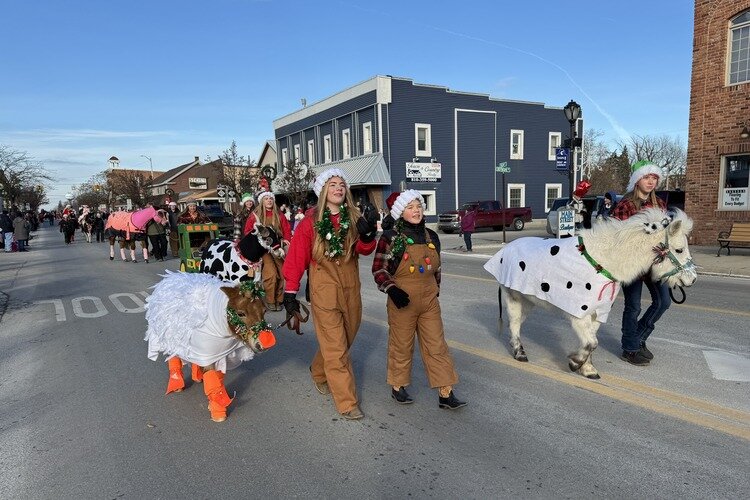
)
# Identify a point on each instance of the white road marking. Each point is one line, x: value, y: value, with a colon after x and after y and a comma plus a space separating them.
x: 59, y: 308
x: 115, y: 299
x: 727, y: 366
x: 78, y: 308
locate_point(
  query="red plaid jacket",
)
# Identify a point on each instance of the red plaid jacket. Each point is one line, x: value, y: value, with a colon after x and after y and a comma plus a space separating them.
x: 625, y: 208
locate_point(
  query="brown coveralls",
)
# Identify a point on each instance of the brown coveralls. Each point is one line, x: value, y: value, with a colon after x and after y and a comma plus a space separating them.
x: 337, y: 313
x: 273, y: 281
x: 422, y: 315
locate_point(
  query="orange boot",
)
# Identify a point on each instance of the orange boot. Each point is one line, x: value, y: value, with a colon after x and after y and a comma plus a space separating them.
x: 218, y: 399
x: 176, y: 382
x: 196, y: 373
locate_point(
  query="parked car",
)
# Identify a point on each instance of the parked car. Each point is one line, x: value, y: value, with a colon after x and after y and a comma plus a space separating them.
x: 222, y: 219
x: 489, y: 214
x: 673, y: 199
x: 593, y: 204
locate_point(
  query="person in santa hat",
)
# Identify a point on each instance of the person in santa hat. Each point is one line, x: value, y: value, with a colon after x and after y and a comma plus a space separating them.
x: 407, y: 268
x: 641, y: 194
x: 328, y: 243
x: 576, y: 204
x: 267, y: 214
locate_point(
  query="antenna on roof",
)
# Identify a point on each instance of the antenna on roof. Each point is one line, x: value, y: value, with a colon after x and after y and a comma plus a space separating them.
x: 304, y: 102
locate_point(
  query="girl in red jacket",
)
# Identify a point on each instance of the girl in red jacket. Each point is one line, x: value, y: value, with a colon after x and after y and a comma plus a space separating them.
x: 328, y: 242
x: 267, y: 214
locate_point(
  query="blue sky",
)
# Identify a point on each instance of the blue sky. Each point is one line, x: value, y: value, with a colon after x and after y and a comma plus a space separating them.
x: 84, y: 80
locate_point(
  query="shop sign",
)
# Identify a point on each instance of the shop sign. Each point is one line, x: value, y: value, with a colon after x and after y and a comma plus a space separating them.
x: 735, y: 198
x: 423, y: 172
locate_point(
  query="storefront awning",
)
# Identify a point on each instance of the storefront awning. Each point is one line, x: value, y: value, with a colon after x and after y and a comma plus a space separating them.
x: 367, y: 170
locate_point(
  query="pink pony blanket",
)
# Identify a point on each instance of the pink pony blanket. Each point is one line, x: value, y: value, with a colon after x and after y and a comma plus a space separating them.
x: 130, y: 222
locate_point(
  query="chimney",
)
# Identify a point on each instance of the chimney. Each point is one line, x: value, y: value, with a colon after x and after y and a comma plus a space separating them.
x: 197, y: 160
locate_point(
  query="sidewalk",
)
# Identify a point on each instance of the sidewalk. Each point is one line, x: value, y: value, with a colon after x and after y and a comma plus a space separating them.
x: 488, y: 243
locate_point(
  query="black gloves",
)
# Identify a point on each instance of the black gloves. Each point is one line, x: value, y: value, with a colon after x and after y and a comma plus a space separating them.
x: 367, y: 225
x: 399, y: 297
x: 291, y: 304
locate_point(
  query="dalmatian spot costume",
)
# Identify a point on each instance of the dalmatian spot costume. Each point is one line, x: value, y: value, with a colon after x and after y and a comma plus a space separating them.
x: 556, y: 272
x: 239, y: 261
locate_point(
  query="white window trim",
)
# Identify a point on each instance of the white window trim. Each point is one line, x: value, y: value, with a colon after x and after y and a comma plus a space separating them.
x: 522, y: 187
x: 551, y: 154
x: 297, y: 153
x: 430, y: 201
x: 346, y: 143
x: 546, y: 192
x: 428, y: 140
x: 311, y: 152
x: 367, y: 138
x: 284, y: 157
x: 728, y: 68
x: 518, y: 156
x: 327, y: 148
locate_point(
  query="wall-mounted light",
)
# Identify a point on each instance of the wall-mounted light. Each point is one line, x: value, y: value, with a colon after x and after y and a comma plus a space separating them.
x: 415, y: 159
x: 433, y: 160
x: 745, y: 134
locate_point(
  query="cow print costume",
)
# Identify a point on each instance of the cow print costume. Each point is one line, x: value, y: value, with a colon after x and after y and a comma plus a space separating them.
x: 231, y: 261
x: 554, y: 271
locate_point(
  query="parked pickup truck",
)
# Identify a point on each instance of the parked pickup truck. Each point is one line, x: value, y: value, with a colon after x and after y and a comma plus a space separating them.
x: 490, y: 214
x: 218, y: 216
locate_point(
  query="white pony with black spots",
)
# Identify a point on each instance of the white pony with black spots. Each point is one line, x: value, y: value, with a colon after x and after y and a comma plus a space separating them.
x: 581, y: 276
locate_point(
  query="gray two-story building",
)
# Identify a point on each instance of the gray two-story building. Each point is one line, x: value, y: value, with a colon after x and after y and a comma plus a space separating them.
x: 389, y: 133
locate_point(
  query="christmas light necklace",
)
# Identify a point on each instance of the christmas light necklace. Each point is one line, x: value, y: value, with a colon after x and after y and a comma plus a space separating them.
x: 399, y: 243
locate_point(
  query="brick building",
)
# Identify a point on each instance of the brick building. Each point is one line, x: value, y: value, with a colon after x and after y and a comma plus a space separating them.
x: 718, y: 170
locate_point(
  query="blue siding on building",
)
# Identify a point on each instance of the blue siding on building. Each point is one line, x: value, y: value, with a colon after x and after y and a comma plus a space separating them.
x: 480, y: 147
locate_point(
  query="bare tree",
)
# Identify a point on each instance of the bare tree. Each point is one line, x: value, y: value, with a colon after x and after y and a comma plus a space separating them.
x: 612, y: 174
x: 296, y: 181
x: 595, y: 152
x: 667, y: 152
x: 236, y: 171
x: 93, y: 192
x: 129, y: 184
x: 20, y: 173
x: 33, y: 196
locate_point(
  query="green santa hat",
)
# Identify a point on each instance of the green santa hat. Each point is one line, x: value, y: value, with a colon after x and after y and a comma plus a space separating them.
x: 640, y: 169
x: 246, y: 197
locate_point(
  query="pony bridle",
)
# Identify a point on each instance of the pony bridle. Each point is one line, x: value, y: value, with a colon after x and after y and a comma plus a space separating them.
x: 663, y: 252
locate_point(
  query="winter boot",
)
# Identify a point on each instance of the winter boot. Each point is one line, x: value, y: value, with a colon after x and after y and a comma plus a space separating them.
x: 176, y: 382
x: 196, y: 373
x: 218, y: 399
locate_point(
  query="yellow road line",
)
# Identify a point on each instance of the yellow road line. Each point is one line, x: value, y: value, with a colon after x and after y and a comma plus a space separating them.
x: 696, y: 411
x: 718, y: 310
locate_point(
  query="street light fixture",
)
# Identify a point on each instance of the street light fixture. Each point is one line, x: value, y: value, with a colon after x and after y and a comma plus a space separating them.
x: 572, y: 114
x: 150, y: 164
x: 745, y: 134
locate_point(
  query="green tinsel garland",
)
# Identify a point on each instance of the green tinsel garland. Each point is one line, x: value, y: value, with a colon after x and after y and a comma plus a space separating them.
x: 255, y: 289
x: 241, y: 330
x: 334, y: 240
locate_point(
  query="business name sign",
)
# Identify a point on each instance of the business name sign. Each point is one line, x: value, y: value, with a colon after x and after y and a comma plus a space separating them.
x: 423, y: 172
x: 566, y: 223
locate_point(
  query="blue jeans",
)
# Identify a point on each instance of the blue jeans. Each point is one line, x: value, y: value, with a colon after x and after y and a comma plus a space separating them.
x: 21, y: 245
x: 635, y: 331
x: 8, y: 235
x: 467, y: 240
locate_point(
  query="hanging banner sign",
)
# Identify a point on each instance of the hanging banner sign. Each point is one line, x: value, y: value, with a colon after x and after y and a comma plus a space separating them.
x: 423, y: 172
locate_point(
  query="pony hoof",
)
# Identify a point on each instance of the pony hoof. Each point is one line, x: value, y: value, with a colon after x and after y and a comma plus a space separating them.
x: 593, y: 376
x: 574, y: 367
x: 521, y: 356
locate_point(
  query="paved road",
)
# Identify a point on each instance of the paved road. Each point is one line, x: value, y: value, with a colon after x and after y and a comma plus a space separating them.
x: 84, y: 414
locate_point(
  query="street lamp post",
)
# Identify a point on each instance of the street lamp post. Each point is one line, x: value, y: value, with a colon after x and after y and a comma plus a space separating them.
x: 150, y: 164
x: 572, y: 113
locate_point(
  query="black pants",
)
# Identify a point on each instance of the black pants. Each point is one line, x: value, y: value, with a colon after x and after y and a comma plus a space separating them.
x: 158, y: 245
x: 99, y: 235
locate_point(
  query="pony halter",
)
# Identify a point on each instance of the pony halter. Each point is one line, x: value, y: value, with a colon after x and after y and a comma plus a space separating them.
x: 662, y: 252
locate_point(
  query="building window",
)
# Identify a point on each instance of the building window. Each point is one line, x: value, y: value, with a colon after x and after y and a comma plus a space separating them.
x: 739, y: 49
x: 296, y: 154
x: 429, y: 200
x: 736, y: 177
x: 346, y: 143
x: 284, y: 157
x: 326, y: 148
x: 422, y: 139
x: 311, y: 152
x: 555, y: 139
x: 551, y: 193
x: 367, y: 138
x: 516, y: 195
x: 516, y: 144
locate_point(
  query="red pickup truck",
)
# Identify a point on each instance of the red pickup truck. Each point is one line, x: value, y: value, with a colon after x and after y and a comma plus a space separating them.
x: 490, y: 214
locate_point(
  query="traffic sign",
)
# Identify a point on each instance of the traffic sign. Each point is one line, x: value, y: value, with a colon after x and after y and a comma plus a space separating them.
x: 221, y: 193
x: 562, y: 157
x: 222, y: 199
x: 232, y: 199
x: 502, y: 168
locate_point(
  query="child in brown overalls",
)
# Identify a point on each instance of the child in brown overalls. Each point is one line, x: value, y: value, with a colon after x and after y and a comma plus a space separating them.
x: 407, y: 268
x: 329, y: 241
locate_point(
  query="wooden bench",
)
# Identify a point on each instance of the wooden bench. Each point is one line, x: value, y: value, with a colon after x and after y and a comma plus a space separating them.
x: 739, y: 233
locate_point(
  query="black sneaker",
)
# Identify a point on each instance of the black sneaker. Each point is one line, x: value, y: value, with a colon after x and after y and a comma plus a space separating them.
x: 401, y: 396
x: 634, y: 358
x: 645, y: 352
x: 451, y: 402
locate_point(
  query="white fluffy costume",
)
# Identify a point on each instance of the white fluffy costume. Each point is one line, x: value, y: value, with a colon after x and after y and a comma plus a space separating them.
x: 555, y: 271
x: 187, y: 318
